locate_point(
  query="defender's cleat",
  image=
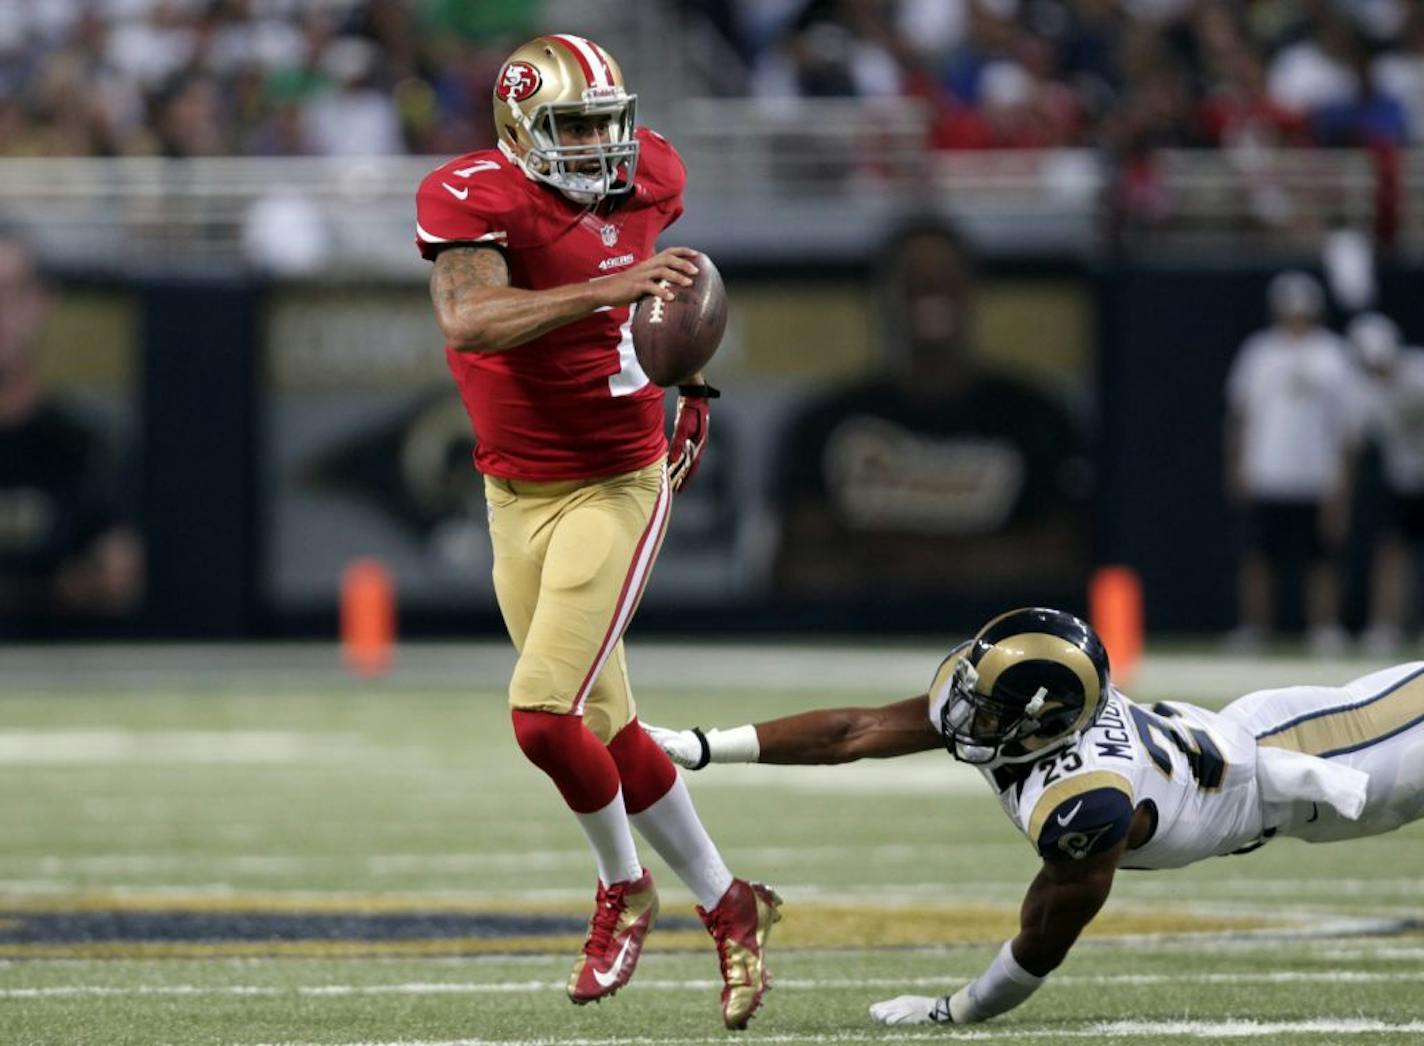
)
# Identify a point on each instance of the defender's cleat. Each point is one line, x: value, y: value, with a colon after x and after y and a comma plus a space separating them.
x: 740, y: 924
x: 623, y: 916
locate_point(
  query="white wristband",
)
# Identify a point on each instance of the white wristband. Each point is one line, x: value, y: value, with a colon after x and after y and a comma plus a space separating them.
x: 1004, y: 985
x: 737, y: 745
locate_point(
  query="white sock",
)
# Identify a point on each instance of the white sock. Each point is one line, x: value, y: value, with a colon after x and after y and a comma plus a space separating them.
x: 672, y: 826
x: 612, y: 841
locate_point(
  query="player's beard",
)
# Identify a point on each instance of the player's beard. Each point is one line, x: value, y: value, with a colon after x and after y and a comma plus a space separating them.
x: 589, y: 186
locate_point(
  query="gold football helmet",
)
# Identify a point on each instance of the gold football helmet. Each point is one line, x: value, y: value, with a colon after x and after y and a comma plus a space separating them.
x: 553, y: 79
x: 1029, y: 680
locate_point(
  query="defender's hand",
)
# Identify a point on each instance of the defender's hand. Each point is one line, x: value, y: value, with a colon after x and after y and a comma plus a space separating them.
x: 673, y: 265
x: 689, y: 432
x: 684, y: 747
x: 912, y: 1009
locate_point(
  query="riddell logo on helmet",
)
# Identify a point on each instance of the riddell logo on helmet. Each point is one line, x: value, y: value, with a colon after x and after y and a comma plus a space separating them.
x: 517, y: 82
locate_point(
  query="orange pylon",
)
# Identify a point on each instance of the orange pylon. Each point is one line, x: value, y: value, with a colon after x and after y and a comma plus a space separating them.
x: 368, y: 617
x: 1115, y: 608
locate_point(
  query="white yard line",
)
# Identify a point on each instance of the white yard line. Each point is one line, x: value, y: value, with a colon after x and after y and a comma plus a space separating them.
x: 782, y: 984
x: 92, y: 746
x: 35, y: 869
x: 1212, y: 1030
x: 510, y: 860
x: 1278, y: 887
x: 1130, y: 884
x: 1399, y: 954
x: 506, y: 900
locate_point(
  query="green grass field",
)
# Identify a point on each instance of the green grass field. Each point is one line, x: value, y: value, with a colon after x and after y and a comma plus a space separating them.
x: 239, y: 858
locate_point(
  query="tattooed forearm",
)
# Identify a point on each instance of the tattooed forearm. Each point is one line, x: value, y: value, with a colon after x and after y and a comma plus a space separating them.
x: 458, y: 269
x: 479, y: 311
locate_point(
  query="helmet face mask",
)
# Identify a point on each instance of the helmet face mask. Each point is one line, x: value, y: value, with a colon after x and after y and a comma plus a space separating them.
x: 588, y: 170
x: 1029, y: 680
x: 977, y: 726
x: 550, y: 84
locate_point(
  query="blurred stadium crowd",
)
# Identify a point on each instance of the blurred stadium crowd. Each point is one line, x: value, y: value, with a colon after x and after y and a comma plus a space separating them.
x: 254, y: 77
x: 1119, y: 73
x: 360, y: 77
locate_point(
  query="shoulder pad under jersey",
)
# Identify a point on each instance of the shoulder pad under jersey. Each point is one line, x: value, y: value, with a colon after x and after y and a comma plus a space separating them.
x: 661, y: 175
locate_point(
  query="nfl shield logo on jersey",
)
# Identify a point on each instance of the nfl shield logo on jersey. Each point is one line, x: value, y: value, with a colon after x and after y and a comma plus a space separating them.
x: 609, y: 235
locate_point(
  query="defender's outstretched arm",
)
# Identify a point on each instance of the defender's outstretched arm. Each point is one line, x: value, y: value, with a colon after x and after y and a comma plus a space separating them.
x: 1061, y: 901
x: 830, y: 735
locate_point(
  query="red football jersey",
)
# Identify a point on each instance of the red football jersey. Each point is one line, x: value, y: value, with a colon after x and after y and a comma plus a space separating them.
x: 573, y: 403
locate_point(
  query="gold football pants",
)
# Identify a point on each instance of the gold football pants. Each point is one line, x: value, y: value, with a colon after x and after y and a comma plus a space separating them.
x: 571, y: 561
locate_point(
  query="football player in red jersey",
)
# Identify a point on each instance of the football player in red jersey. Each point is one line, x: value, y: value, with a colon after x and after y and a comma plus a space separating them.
x: 541, y: 246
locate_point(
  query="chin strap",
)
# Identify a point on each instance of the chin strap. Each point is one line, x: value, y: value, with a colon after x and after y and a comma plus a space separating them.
x: 586, y: 199
x: 514, y: 158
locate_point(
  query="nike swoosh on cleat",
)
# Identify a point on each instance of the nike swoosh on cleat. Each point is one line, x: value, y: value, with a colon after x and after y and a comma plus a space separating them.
x: 1065, y: 818
x: 605, y: 979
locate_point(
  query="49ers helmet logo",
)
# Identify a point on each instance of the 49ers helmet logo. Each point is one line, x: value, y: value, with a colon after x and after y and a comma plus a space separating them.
x: 517, y: 81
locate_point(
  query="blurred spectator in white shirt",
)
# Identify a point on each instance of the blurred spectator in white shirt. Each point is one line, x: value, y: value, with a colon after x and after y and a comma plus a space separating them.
x: 1401, y: 73
x: 1316, y: 71
x: 357, y: 118
x: 833, y: 48
x: 154, y: 49
x: 1394, y: 417
x: 1291, y: 425
x: 935, y: 27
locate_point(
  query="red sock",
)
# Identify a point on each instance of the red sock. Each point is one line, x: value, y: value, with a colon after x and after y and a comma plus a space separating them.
x: 646, y: 771
x: 567, y: 751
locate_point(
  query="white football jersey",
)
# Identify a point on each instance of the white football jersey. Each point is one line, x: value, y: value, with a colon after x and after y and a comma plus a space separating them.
x: 1194, y: 771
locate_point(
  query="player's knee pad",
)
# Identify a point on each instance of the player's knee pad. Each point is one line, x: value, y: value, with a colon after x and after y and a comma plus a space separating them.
x: 538, y: 685
x: 646, y: 772
x: 562, y: 747
x: 543, y: 736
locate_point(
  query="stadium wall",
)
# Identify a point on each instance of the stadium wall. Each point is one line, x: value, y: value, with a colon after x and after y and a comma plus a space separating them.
x: 272, y: 451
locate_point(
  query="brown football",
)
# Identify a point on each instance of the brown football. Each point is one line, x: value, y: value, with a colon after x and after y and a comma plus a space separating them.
x: 675, y: 339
